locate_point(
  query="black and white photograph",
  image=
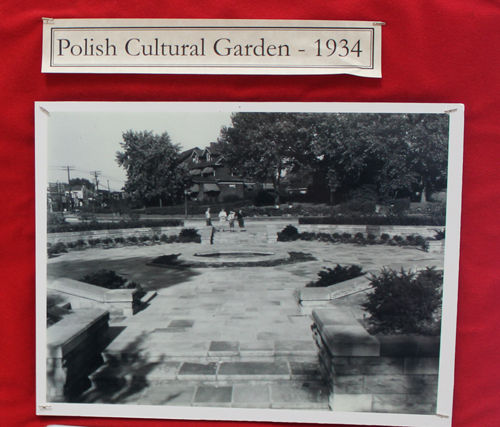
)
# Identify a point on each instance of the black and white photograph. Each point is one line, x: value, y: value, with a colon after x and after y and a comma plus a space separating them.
x: 258, y: 261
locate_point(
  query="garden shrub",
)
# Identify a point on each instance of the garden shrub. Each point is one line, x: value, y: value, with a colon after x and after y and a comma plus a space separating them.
x: 119, y: 240
x: 288, y: 234
x: 107, y: 241
x: 164, y: 238
x: 189, y: 235
x: 110, y: 280
x: 55, y: 218
x: 359, y: 236
x: 405, y: 302
x: 400, y: 206
x: 440, y: 234
x: 419, y: 240
x: 132, y: 239
x: 144, y: 238
x: 105, y: 279
x: 263, y: 198
x: 58, y: 248
x: 385, y: 237
x: 371, y: 236
x: 80, y: 243
x: 346, y: 236
x: 332, y: 276
x: 94, y: 242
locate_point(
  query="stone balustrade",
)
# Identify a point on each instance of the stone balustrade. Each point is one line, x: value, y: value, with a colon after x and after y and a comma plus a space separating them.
x: 365, y: 373
x: 74, y: 346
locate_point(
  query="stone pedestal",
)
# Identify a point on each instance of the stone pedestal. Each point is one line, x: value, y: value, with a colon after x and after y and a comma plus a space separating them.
x: 74, y: 347
x: 393, y: 374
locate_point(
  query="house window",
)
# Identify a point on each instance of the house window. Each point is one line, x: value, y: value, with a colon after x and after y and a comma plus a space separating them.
x: 232, y: 186
x: 209, y: 157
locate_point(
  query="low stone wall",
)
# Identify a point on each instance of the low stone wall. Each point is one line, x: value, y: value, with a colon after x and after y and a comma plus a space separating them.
x: 391, y: 230
x: 390, y: 374
x: 83, y: 295
x: 74, y: 347
x: 74, y: 236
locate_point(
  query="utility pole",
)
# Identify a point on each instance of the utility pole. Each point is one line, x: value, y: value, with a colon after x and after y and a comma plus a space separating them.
x: 68, y: 168
x: 96, y: 174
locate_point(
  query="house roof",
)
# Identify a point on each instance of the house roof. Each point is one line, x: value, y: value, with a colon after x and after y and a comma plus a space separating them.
x: 188, y: 153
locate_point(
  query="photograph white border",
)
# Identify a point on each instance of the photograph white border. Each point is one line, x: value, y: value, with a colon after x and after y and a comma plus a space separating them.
x: 451, y: 268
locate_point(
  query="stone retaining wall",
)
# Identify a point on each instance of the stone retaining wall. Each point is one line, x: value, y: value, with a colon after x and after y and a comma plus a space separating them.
x: 391, y: 374
x: 83, y: 295
x: 74, y: 236
x: 74, y: 347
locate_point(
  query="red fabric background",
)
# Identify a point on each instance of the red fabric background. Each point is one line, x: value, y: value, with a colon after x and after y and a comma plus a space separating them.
x: 433, y: 51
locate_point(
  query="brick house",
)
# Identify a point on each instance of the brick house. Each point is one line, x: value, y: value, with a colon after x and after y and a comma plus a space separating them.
x: 212, y: 180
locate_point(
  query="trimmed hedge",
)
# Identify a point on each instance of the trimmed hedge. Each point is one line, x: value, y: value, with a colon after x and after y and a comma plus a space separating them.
x: 437, y: 220
x: 91, y: 226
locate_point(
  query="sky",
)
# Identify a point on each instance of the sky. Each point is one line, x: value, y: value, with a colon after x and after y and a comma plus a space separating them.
x: 88, y: 141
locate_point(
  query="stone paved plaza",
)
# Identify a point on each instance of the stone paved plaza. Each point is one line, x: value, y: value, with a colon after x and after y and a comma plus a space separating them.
x: 226, y: 337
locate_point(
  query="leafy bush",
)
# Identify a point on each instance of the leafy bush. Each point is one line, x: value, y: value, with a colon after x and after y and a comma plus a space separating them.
x: 189, y: 235
x: 263, y: 198
x: 110, y: 280
x: 405, y: 302
x: 55, y: 218
x: 105, y: 279
x: 359, y: 236
x: 58, y: 248
x: 440, y: 234
x: 119, y: 240
x: 288, y: 233
x: 107, y: 241
x: 385, y: 237
x: 93, y: 242
x: 144, y: 238
x: 332, y: 276
x: 400, y: 206
x: 132, y: 239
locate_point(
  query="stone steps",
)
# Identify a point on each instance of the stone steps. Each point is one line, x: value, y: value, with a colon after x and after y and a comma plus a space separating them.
x: 254, y: 374
x: 257, y: 384
x: 291, y: 394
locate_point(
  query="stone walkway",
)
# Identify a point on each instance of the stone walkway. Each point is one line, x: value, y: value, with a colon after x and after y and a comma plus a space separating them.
x: 219, y: 337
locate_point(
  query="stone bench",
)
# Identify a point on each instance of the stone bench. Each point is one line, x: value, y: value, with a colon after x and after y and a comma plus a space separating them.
x: 366, y: 373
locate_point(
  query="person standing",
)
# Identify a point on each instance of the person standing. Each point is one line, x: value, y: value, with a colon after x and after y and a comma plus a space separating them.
x: 208, y: 217
x: 231, y: 218
x: 222, y: 219
x: 241, y: 221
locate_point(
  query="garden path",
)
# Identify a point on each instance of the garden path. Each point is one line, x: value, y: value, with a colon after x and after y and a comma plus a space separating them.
x: 227, y: 337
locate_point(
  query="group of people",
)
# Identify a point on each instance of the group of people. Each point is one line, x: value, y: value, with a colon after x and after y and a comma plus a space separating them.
x: 225, y: 217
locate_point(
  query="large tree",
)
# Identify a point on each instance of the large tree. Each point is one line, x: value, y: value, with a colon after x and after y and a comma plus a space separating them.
x: 399, y: 154
x: 154, y: 174
x: 267, y: 146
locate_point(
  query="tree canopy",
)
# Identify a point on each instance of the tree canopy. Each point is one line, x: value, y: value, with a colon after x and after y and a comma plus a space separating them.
x: 81, y: 182
x: 154, y: 174
x: 395, y: 155
x: 267, y: 146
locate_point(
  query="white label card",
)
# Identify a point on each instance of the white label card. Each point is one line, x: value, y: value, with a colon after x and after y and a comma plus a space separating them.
x: 164, y: 46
